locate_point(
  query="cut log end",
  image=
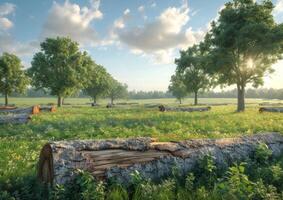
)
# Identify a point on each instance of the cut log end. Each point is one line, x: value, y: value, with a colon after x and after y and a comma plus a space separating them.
x: 35, y: 110
x: 45, y: 165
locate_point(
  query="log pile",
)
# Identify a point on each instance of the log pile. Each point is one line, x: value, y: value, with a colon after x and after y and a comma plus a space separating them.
x: 192, y: 109
x: 271, y: 109
x: 118, y: 158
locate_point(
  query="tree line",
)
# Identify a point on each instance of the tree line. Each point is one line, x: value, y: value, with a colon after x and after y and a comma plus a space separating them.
x: 239, y: 49
x: 259, y: 93
x: 59, y: 69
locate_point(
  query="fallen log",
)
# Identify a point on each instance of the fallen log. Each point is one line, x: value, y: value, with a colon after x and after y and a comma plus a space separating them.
x: 14, y: 118
x: 7, y: 107
x: 191, y: 109
x: 270, y: 104
x: 30, y: 110
x: 51, y: 108
x: 118, y: 158
x: 271, y: 109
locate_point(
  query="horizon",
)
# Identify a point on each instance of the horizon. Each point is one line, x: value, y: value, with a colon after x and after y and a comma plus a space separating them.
x: 130, y: 39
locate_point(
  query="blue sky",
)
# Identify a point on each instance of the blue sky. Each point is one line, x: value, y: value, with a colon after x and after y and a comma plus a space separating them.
x: 136, y: 40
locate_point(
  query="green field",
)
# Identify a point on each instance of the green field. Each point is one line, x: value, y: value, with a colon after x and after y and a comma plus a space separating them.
x: 20, y: 144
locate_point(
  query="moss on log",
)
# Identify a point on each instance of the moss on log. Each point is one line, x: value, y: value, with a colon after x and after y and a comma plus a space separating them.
x: 119, y: 158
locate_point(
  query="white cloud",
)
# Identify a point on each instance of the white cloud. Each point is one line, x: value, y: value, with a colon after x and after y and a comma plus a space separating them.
x: 153, y: 5
x: 5, y: 23
x: 8, y: 44
x: 161, y: 37
x: 74, y: 21
x: 6, y: 9
x: 120, y: 22
x: 141, y: 9
x: 278, y: 7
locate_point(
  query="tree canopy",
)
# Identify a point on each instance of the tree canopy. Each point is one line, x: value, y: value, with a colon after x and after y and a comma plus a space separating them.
x: 117, y: 90
x: 99, y: 83
x: 243, y: 44
x: 192, y: 64
x: 177, y: 86
x: 60, y: 67
x: 12, y: 76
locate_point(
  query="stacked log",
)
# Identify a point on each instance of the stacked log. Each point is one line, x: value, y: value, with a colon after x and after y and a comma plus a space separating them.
x: 191, y: 109
x: 118, y: 158
x: 271, y: 109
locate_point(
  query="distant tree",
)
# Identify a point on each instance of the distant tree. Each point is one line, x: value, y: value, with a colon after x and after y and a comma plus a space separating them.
x: 244, y: 42
x: 99, y: 83
x: 192, y: 64
x: 12, y: 77
x: 60, y: 67
x: 117, y: 90
x: 177, y: 87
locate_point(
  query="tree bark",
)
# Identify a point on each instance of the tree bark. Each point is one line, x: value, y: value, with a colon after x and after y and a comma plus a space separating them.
x: 196, y: 98
x: 112, y: 101
x: 59, y: 101
x: 180, y: 101
x: 117, y: 159
x: 6, y: 99
x: 241, y: 98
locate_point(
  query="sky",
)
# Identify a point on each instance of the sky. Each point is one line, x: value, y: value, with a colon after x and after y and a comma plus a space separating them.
x: 135, y: 40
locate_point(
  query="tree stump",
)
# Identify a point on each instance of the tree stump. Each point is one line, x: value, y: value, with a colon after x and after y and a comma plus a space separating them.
x: 118, y: 158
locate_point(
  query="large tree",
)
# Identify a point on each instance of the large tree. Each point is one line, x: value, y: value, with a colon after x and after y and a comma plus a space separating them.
x: 244, y: 43
x: 60, y: 67
x: 12, y: 76
x: 177, y: 87
x: 192, y: 64
x: 117, y: 90
x: 99, y: 83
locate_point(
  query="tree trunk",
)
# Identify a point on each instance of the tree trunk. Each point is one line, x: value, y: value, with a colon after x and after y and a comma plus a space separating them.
x: 94, y: 100
x: 6, y: 99
x: 196, y: 98
x: 112, y: 101
x: 241, y: 98
x: 180, y: 101
x: 59, y: 101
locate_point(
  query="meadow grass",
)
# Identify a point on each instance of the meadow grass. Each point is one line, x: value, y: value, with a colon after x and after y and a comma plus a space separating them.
x: 20, y: 144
